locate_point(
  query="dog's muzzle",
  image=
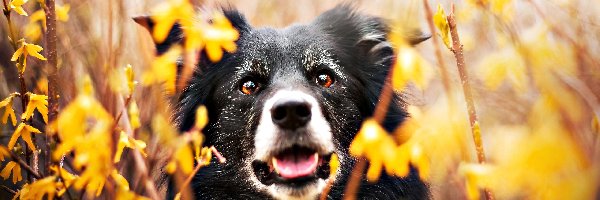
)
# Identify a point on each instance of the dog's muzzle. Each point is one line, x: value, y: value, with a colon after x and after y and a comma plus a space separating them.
x: 293, y: 143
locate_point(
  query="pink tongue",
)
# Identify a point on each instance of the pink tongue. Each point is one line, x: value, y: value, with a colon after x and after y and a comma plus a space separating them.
x: 294, y: 166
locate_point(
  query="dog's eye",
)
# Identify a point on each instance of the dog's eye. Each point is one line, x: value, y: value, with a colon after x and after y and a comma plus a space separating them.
x: 324, y: 79
x: 249, y: 87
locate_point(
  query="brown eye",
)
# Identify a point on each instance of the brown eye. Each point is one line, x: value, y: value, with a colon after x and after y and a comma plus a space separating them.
x: 249, y: 87
x: 324, y: 79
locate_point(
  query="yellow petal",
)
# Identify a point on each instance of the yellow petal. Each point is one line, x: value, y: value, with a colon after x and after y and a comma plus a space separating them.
x: 15, y: 135
x: 120, y: 146
x: 201, y: 117
x: 134, y: 115
x: 34, y: 50
x: 9, y: 112
x: 374, y: 170
x: 7, y: 169
x: 213, y: 51
x: 17, y: 54
x: 130, y: 78
x: 439, y: 19
x: 16, y: 5
x: 17, y: 176
x: 62, y: 12
x: 334, y: 164
x: 27, y: 138
x: 120, y: 180
x: 39, y: 102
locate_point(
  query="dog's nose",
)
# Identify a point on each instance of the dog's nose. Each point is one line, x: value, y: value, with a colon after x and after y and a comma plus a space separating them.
x: 291, y: 113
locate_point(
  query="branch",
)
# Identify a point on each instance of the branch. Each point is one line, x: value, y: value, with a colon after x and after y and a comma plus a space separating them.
x: 355, y: 177
x: 438, y: 52
x: 53, y: 87
x: 23, y: 164
x: 457, y: 49
x: 8, y: 190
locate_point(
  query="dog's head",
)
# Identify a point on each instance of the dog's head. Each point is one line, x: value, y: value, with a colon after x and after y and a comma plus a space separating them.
x: 289, y: 98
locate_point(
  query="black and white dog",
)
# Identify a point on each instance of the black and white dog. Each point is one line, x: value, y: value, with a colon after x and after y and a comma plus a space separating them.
x: 286, y: 100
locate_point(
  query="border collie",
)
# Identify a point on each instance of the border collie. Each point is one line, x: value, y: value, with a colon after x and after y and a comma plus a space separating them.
x: 286, y: 100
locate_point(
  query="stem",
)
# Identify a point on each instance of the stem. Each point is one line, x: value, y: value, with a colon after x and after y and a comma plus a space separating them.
x: 384, y: 98
x: 457, y: 49
x: 438, y: 52
x: 9, y: 190
x: 53, y: 77
x: 355, y: 177
x: 140, y: 164
x: 327, y: 189
x: 23, y: 164
x: 11, y: 30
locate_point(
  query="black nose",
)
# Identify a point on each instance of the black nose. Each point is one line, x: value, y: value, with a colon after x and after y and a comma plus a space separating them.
x: 290, y: 114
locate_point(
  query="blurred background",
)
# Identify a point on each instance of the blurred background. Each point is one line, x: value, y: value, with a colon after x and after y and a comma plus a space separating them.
x: 532, y: 64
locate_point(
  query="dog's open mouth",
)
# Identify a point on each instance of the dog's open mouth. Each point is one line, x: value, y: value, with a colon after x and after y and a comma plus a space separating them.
x: 295, y: 166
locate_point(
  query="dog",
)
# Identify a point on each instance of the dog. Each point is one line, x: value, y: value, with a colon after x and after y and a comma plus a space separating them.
x: 288, y: 99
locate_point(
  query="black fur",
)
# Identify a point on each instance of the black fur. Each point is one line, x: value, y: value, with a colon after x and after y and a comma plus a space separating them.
x: 278, y: 58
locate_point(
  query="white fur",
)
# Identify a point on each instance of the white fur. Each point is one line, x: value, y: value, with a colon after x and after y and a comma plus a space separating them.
x: 265, y: 138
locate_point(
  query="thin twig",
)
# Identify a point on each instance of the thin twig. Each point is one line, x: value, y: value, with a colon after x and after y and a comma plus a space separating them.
x: 355, y: 178
x: 457, y: 49
x: 9, y: 190
x: 327, y: 188
x: 438, y: 52
x: 24, y: 164
x: 140, y: 164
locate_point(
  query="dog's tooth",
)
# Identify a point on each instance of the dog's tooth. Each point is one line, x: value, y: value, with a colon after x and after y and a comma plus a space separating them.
x: 274, y: 161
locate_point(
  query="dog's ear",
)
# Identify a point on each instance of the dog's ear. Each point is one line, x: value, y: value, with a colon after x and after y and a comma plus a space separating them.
x: 369, y: 33
x: 174, y: 37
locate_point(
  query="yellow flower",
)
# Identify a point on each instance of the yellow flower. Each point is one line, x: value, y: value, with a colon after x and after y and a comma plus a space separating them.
x: 164, y: 70
x: 410, y: 66
x: 128, y: 195
x: 375, y: 144
x: 67, y: 178
x: 201, y: 117
x: 130, y: 78
x: 16, y: 172
x: 62, y: 12
x: 183, y: 159
x: 439, y: 19
x: 24, y: 131
x: 47, y: 187
x: 219, y: 35
x: 126, y: 141
x: 39, y: 102
x: 504, y: 65
x: 122, y: 183
x: 16, y: 5
x: 27, y: 49
x: 134, y: 115
x: 542, y: 163
x: 33, y: 31
x: 166, y: 14
x: 84, y: 127
x: 8, y: 110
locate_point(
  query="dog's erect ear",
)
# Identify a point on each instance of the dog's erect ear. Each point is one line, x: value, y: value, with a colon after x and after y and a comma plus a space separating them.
x: 351, y: 29
x: 175, y: 35
x: 368, y: 33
